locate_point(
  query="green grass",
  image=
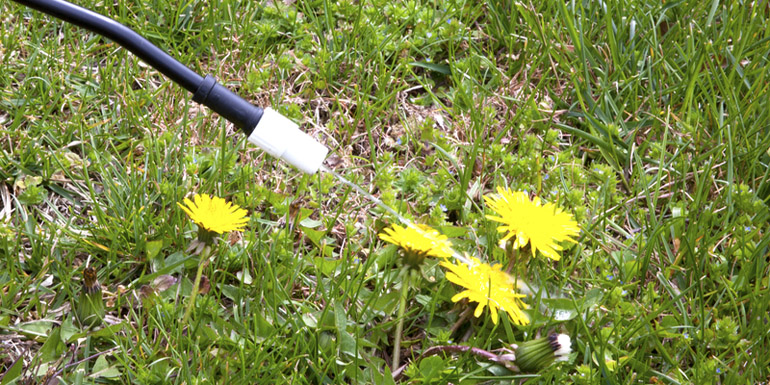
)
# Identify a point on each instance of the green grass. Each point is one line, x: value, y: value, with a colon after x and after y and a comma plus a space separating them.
x: 648, y: 120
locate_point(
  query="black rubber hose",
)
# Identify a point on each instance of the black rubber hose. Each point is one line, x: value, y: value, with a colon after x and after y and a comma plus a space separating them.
x: 205, y: 90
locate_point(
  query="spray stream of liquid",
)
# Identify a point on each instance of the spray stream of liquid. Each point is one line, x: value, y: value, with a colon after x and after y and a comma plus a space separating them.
x: 404, y: 220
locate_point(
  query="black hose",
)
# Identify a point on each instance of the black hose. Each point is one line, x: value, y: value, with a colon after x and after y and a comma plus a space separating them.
x: 122, y: 35
x: 206, y: 90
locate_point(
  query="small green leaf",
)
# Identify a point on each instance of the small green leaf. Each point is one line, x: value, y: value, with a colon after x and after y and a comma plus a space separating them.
x: 347, y: 345
x: 498, y: 370
x: 68, y: 329
x: 562, y: 309
x: 102, y: 369
x: 319, y: 239
x: 345, y: 341
x: 245, y: 277
x: 387, y: 378
x: 453, y: 231
x: 440, y: 68
x: 53, y: 346
x: 231, y: 292
x: 37, y: 328
x: 174, y: 263
x: 340, y: 317
x: 13, y: 372
x: 309, y: 320
x: 314, y: 235
x: 431, y: 367
x: 153, y: 248
x: 325, y: 265
x: 591, y: 298
x: 108, y: 331
x: 265, y: 328
x: 386, y: 304
x: 310, y: 223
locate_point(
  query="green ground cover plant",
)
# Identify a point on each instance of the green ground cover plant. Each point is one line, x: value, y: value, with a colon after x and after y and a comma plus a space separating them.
x: 645, y: 122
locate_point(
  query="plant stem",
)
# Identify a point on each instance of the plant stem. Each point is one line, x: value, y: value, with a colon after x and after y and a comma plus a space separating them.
x: 191, y: 303
x: 401, y: 310
x: 434, y: 350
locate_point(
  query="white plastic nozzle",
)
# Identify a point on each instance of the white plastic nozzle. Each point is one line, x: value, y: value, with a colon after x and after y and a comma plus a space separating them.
x: 282, y: 138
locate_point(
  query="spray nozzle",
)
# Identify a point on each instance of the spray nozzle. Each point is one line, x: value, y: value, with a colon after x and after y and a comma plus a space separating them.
x: 282, y: 138
x: 271, y: 131
x: 268, y: 129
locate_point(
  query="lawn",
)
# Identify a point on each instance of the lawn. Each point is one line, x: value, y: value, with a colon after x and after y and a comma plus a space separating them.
x: 645, y: 123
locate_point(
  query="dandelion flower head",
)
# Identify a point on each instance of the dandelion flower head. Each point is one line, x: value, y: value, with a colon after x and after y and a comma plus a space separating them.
x: 488, y: 286
x: 420, y: 240
x: 215, y: 214
x: 542, y: 226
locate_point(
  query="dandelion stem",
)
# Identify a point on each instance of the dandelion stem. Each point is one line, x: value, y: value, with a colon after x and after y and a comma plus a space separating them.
x: 456, y: 349
x: 191, y: 303
x: 405, y: 273
x: 461, y: 320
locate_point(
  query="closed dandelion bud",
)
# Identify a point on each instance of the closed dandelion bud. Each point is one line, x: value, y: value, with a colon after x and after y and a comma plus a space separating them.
x: 533, y: 356
x: 89, y: 308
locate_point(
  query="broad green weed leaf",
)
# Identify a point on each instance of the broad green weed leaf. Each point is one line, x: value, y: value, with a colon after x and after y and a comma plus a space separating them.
x: 53, y: 346
x: 103, y: 369
x: 13, y: 372
x: 431, y: 368
x: 153, y: 248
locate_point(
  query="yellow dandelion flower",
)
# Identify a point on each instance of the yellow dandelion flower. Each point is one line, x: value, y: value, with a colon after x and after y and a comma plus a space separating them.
x: 418, y: 242
x: 488, y: 286
x: 543, y: 226
x: 215, y: 214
